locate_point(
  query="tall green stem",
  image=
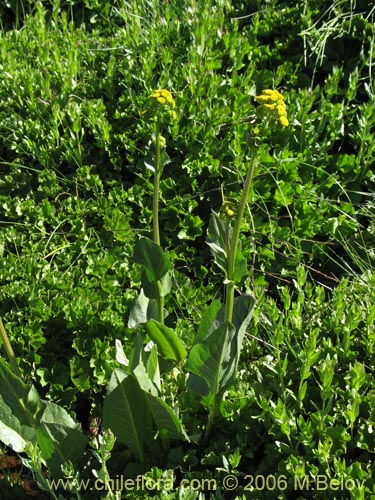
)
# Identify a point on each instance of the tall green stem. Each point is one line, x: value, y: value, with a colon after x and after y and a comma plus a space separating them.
x: 9, y: 350
x: 155, y: 210
x: 230, y: 285
x: 214, y: 410
x: 157, y: 175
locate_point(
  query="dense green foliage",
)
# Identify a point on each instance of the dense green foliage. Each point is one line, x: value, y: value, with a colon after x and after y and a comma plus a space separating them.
x: 76, y: 196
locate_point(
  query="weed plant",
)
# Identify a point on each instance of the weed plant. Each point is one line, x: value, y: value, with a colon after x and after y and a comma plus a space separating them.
x: 114, y: 382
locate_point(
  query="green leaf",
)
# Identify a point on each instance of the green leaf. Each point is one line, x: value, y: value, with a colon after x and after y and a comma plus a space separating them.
x: 142, y: 310
x: 125, y: 412
x: 215, y: 359
x: 117, y: 222
x: 155, y: 279
x: 169, y: 345
x: 60, y: 438
x: 24, y: 400
x: 144, y: 366
x: 215, y: 354
x: 152, y: 258
x: 24, y: 418
x: 242, y: 313
x: 167, y: 422
x: 218, y: 239
x: 156, y: 289
x: 12, y: 432
x: 20, y: 409
x: 197, y: 384
x: 128, y: 410
x: 152, y: 367
x: 210, y: 321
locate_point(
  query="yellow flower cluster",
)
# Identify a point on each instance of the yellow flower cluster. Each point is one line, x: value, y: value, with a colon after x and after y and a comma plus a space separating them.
x: 228, y: 210
x: 274, y: 101
x: 165, y: 98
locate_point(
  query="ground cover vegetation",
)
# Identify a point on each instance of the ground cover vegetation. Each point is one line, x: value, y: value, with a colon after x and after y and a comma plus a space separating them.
x: 187, y: 249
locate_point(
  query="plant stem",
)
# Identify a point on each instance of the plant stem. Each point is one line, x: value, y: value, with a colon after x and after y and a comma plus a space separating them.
x: 9, y: 350
x: 211, y: 418
x: 160, y: 306
x: 230, y: 285
x: 155, y: 210
x: 157, y: 175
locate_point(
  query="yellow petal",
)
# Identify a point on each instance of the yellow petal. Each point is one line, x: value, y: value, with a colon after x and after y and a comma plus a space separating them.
x: 283, y: 120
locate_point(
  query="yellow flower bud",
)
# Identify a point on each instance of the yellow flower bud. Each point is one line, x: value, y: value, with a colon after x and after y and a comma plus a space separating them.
x: 281, y: 109
x: 273, y: 102
x: 162, y: 101
x: 283, y: 120
x: 269, y: 106
x: 163, y: 96
x: 228, y: 210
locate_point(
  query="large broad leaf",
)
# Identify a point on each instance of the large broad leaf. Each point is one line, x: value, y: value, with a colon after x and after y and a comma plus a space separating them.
x: 12, y: 432
x: 210, y: 321
x: 214, y: 360
x: 156, y: 280
x: 25, y: 418
x: 126, y: 413
x: 242, y: 313
x: 20, y: 410
x: 152, y: 258
x: 218, y: 239
x: 167, y: 422
x: 129, y: 410
x: 169, y: 345
x: 60, y: 438
x: 24, y: 400
x: 156, y: 289
x: 219, y: 236
x: 144, y: 366
x: 215, y: 354
x: 142, y: 310
x: 243, y: 309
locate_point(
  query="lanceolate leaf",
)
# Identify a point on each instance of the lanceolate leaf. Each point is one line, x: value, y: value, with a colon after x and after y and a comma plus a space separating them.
x: 210, y: 321
x: 169, y: 345
x: 60, y: 438
x: 215, y: 355
x: 129, y: 410
x: 25, y: 418
x: 23, y: 400
x: 142, y: 310
x: 242, y: 314
x: 152, y: 258
x: 125, y: 412
x: 215, y: 358
x: 167, y: 422
x: 218, y: 239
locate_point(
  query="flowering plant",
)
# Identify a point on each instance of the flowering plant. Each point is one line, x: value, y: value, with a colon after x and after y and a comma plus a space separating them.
x: 273, y: 105
x: 163, y: 104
